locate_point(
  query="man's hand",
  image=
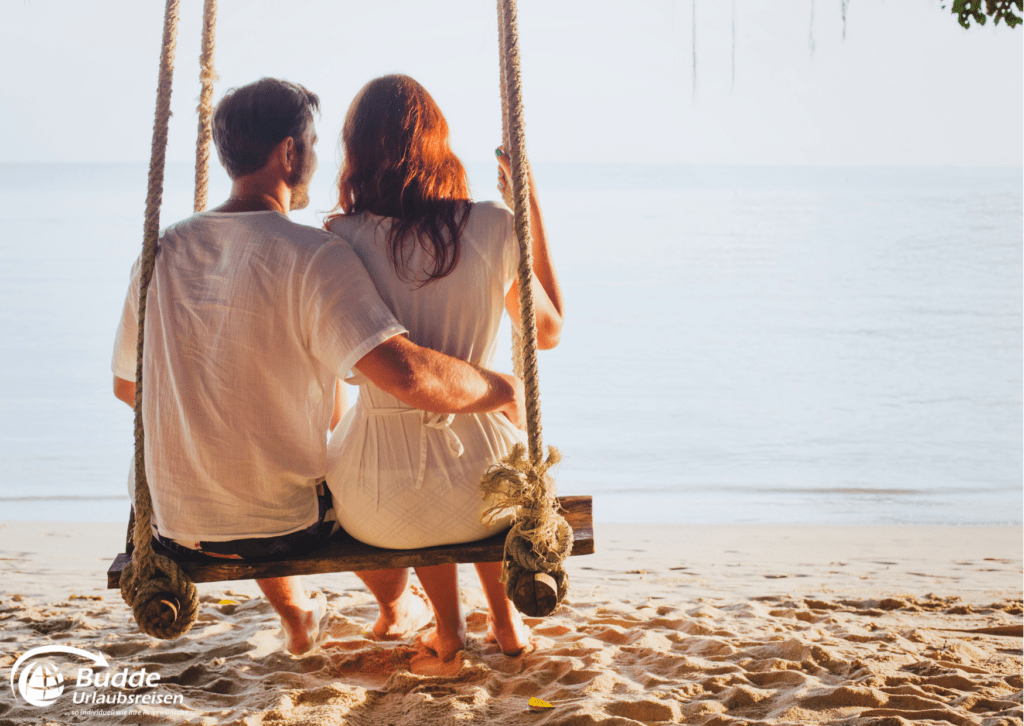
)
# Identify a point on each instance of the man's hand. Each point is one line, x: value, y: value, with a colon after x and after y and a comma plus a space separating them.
x: 515, y: 410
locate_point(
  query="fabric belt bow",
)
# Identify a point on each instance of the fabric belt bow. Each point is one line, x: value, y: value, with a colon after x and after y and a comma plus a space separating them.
x: 439, y: 421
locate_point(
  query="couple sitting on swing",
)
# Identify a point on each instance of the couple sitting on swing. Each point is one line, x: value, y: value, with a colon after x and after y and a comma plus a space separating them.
x: 253, y: 322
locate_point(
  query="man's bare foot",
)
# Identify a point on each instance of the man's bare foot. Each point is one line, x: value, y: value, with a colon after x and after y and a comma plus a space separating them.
x: 410, y: 614
x: 445, y: 646
x: 513, y: 637
x: 300, y: 632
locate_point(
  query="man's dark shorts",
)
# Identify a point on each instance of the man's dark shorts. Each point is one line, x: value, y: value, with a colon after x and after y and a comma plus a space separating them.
x: 256, y: 548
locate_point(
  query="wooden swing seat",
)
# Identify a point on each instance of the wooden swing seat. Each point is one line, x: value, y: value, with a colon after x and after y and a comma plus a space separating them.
x: 342, y: 553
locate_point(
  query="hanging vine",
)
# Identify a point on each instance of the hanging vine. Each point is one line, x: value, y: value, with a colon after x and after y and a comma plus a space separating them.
x: 1010, y: 12
x: 810, y: 37
x: 694, y: 44
x: 733, y: 84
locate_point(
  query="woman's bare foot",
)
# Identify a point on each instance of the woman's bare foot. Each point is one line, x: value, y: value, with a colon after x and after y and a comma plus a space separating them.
x: 446, y: 645
x: 512, y: 637
x: 302, y: 628
x: 408, y: 615
x: 505, y: 625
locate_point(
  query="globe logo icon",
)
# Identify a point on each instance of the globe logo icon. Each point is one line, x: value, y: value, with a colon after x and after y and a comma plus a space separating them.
x: 41, y: 683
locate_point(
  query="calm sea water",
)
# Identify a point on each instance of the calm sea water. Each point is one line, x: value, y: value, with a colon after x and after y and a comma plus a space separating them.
x: 741, y: 345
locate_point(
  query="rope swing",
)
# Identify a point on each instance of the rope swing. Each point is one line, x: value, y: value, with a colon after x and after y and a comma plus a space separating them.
x: 207, y: 75
x: 163, y: 599
x: 540, y: 538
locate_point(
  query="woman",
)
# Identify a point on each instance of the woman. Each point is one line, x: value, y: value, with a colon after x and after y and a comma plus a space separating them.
x: 446, y: 267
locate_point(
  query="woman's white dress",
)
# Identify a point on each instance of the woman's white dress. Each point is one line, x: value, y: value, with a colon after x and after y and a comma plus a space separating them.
x: 401, y: 477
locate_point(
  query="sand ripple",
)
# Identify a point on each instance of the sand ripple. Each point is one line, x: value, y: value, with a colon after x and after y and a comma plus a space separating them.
x: 773, y: 659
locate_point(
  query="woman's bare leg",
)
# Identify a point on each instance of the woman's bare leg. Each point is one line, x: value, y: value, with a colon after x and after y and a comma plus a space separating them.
x: 300, y: 615
x: 505, y: 624
x: 402, y: 612
x: 441, y: 583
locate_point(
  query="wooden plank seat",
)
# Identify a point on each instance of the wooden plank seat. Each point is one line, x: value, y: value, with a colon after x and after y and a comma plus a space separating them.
x: 342, y: 553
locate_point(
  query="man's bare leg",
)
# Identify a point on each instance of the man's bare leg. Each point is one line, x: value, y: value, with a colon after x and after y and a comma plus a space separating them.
x: 300, y: 615
x: 402, y: 612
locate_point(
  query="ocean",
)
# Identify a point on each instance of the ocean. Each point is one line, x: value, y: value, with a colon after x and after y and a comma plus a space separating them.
x: 742, y: 345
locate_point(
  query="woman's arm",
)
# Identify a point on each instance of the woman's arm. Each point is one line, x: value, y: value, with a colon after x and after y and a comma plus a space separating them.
x: 547, y: 292
x: 124, y: 391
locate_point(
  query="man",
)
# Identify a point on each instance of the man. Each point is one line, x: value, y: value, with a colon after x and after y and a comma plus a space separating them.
x: 251, y: 320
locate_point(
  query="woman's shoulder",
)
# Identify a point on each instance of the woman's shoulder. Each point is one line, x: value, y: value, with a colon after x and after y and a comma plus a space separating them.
x: 491, y: 221
x: 490, y: 230
x: 494, y: 212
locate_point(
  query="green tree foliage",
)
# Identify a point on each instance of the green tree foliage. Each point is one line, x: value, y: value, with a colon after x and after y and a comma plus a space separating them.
x: 968, y: 10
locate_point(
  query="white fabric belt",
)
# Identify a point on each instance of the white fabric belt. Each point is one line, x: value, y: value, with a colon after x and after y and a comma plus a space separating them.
x: 439, y: 421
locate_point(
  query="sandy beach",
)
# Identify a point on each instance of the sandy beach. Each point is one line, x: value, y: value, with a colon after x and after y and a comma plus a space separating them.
x: 665, y: 624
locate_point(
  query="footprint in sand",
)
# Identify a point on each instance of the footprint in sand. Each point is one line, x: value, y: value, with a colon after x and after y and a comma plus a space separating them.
x: 646, y: 711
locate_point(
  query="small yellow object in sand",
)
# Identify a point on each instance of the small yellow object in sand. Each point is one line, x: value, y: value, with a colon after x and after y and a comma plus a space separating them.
x: 538, y: 705
x: 228, y: 602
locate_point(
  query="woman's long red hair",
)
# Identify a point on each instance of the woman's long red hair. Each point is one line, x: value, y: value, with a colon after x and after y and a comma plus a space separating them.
x: 397, y: 162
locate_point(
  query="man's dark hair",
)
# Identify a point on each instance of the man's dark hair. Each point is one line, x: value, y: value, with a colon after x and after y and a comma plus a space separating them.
x: 251, y: 120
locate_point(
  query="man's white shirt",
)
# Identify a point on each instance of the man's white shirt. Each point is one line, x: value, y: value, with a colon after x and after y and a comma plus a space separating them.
x: 250, y: 320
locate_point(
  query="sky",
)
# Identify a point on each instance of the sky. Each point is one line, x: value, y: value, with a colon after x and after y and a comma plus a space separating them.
x: 603, y: 81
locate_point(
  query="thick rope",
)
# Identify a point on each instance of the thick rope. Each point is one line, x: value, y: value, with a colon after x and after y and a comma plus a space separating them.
x: 154, y: 198
x: 207, y: 75
x: 506, y: 195
x: 521, y: 208
x: 540, y: 538
x: 152, y: 581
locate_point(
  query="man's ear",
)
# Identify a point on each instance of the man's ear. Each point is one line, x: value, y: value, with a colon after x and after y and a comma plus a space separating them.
x: 288, y: 154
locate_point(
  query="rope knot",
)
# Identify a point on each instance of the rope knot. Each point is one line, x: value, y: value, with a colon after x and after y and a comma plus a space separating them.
x: 540, y: 539
x: 520, y: 484
x: 163, y: 598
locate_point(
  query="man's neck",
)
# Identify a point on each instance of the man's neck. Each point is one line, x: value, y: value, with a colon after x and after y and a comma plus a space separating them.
x: 251, y: 194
